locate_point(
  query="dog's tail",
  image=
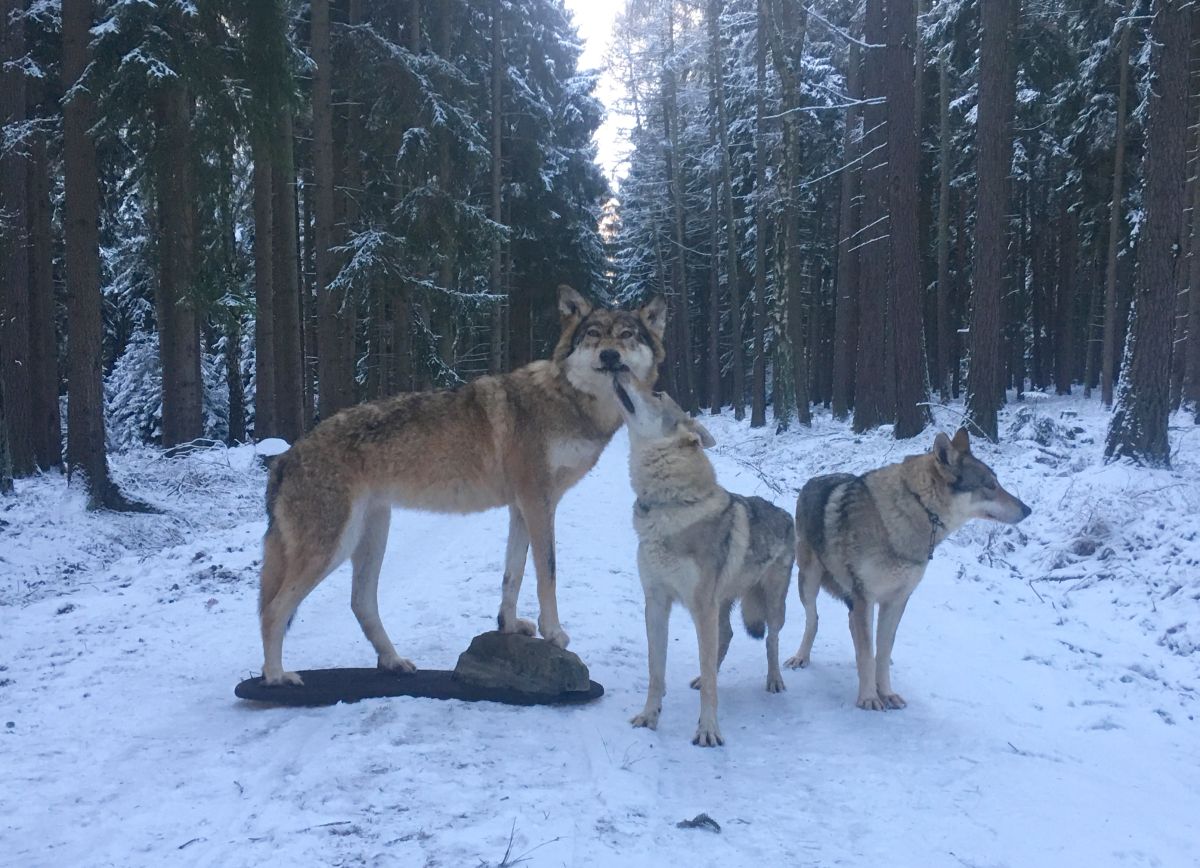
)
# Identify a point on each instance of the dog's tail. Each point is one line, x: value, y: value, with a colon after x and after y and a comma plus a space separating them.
x: 754, y: 613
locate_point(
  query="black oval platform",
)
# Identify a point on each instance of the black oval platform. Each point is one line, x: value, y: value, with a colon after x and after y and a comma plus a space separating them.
x: 331, y: 686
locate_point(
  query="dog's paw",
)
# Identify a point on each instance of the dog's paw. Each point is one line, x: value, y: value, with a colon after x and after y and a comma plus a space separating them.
x: 694, y: 683
x: 708, y: 735
x: 796, y: 661
x: 396, y: 663
x: 648, y: 719
x: 775, y: 684
x: 519, y: 626
x: 556, y: 635
x: 893, y: 701
x: 283, y: 679
x: 871, y: 703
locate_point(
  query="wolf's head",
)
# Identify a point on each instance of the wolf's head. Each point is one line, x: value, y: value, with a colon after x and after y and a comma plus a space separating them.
x: 969, y: 486
x: 652, y: 417
x: 596, y: 342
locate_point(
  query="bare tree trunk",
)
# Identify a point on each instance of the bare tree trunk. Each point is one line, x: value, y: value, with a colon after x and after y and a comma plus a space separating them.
x: 758, y: 388
x: 1139, y: 424
x: 6, y: 474
x: 684, y: 392
x: 714, y: 279
x: 1064, y: 307
x: 496, y: 351
x: 1191, y: 381
x: 1115, y: 221
x: 289, y: 377
x: 845, y: 315
x: 43, y: 340
x: 264, y: 292
x: 997, y: 85
x: 15, y: 166
x: 904, y: 276
x: 945, y: 336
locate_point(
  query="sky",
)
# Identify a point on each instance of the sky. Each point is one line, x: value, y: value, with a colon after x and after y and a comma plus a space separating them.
x: 595, y: 18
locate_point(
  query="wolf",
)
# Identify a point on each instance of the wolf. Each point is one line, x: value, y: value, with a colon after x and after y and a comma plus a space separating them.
x: 519, y: 440
x: 867, y: 540
x: 700, y: 545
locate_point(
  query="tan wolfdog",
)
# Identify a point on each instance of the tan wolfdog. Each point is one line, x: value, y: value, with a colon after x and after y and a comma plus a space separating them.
x: 518, y: 440
x: 867, y: 539
x: 701, y: 545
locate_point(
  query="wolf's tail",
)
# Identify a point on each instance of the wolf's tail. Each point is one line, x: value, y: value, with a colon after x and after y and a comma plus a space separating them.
x: 754, y: 613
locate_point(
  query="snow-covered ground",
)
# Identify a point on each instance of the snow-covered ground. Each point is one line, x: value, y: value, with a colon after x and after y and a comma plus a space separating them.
x: 1052, y: 674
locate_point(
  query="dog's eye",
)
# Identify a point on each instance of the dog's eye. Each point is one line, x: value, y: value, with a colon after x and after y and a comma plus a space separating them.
x: 626, y: 335
x: 593, y: 332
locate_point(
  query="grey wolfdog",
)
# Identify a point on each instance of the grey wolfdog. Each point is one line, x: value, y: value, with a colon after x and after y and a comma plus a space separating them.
x: 700, y: 545
x: 867, y: 540
x: 518, y: 440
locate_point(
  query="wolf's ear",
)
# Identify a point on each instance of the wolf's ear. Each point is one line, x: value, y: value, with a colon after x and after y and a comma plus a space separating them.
x: 961, y: 441
x: 943, y: 450
x: 572, y: 305
x: 654, y: 315
x: 706, y: 439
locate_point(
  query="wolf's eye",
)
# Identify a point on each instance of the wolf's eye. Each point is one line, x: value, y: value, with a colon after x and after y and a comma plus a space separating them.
x: 626, y: 335
x: 593, y: 332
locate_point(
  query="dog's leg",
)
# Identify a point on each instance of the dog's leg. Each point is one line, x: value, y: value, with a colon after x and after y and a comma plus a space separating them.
x: 364, y: 587
x: 514, y: 571
x: 539, y: 519
x: 726, y: 638
x: 776, y: 610
x: 658, y: 618
x: 708, y: 734
x: 302, y: 573
x: 810, y: 585
x: 860, y: 630
x: 890, y: 613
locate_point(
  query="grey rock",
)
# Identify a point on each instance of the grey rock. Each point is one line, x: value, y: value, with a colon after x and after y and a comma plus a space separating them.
x: 509, y: 661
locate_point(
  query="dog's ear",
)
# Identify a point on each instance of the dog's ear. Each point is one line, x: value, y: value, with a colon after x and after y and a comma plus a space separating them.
x: 961, y: 441
x: 572, y: 305
x: 944, y: 451
x: 703, y: 437
x: 654, y: 315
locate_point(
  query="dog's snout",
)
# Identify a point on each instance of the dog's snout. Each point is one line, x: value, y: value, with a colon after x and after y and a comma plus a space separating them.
x: 610, y: 358
x: 1025, y: 510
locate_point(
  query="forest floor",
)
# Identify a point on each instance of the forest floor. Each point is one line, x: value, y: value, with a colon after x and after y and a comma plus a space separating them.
x: 1052, y: 673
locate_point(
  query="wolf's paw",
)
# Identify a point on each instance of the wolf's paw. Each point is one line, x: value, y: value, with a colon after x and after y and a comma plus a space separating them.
x: 893, y: 700
x: 797, y: 661
x: 396, y: 663
x: 708, y: 735
x: 556, y: 635
x: 518, y: 625
x: 775, y: 683
x: 694, y: 683
x: 871, y: 703
x: 648, y: 718
x: 283, y: 679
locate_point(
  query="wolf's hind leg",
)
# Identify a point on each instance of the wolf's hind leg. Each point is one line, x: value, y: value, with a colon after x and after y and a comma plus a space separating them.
x: 726, y: 638
x: 539, y: 519
x: 515, y: 556
x: 293, y: 575
x: 364, y: 587
x: 809, y: 585
x: 776, y: 610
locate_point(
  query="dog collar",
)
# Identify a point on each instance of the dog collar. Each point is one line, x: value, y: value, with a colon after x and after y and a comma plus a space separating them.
x: 935, y: 521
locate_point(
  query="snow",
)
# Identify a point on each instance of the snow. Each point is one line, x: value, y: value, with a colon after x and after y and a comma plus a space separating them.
x: 1050, y: 672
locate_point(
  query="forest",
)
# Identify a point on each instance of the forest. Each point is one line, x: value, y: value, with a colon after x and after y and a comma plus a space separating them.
x: 225, y: 220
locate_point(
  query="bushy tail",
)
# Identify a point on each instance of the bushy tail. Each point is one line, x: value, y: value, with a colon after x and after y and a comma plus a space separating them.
x: 754, y: 613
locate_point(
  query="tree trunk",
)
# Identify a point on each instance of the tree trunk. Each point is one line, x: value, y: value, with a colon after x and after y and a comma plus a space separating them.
x: 1139, y: 424
x: 178, y: 328
x: 1115, y: 221
x: 289, y: 376
x: 87, y: 456
x: 904, y: 276
x: 684, y: 392
x: 1191, y: 381
x: 15, y: 361
x: 845, y: 315
x: 233, y: 379
x: 6, y: 474
x: 945, y: 335
x: 264, y: 292
x: 758, y: 388
x: 43, y: 338
x: 870, y: 391
x: 997, y: 84
x: 1064, y: 305
x: 496, y: 350
x: 714, y: 273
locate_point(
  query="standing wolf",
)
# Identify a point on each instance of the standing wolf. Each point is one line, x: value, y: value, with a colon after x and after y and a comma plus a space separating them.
x: 519, y: 440
x: 700, y: 545
x: 867, y: 539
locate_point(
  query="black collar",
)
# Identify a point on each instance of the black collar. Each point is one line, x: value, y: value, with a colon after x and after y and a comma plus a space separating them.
x: 935, y: 521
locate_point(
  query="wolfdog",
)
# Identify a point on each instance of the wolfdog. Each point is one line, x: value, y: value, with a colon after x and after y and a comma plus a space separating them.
x: 700, y: 545
x: 518, y: 440
x: 867, y: 539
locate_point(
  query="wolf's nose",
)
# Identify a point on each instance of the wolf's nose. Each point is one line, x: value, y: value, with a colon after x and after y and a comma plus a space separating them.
x: 1025, y: 510
x: 610, y: 358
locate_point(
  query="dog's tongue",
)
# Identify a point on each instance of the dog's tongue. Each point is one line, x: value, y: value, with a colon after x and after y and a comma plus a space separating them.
x: 622, y: 395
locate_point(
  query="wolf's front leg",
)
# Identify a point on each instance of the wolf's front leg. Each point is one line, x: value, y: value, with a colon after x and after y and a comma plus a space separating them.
x: 658, y: 616
x: 514, y: 571
x: 860, y: 631
x: 890, y: 613
x: 707, y: 619
x: 539, y: 519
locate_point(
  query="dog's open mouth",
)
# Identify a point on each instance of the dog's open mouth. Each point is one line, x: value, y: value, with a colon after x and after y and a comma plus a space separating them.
x: 623, y: 396
x: 613, y: 369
